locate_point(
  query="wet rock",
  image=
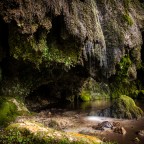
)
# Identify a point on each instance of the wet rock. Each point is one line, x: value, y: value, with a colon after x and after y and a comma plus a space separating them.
x: 136, y: 140
x: 103, y: 125
x: 123, y: 107
x: 141, y: 133
x: 120, y: 130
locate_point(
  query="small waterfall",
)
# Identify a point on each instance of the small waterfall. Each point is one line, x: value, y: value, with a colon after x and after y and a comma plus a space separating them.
x: 94, y: 52
x: 88, y: 53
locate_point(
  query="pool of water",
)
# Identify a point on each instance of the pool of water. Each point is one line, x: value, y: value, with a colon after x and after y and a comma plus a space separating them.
x: 89, y: 109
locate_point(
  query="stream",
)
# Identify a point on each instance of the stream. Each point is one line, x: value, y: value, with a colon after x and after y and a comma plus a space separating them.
x: 82, y: 118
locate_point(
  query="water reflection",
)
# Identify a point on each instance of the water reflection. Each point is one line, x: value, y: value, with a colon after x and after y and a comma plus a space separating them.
x: 87, y: 107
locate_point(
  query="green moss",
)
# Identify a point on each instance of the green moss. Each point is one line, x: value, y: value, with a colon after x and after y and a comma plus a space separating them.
x: 125, y: 107
x: 10, y: 108
x: 121, y: 84
x: 93, y: 90
x: 124, y: 64
x: 40, y: 50
x: 85, y: 96
x: 127, y: 19
x: 8, y: 111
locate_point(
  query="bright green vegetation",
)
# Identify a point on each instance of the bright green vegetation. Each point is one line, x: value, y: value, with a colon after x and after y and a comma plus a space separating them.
x: 121, y: 84
x: 125, y: 107
x: 8, y: 111
x: 92, y: 90
x: 127, y: 19
x: 10, y: 108
x: 85, y: 96
x: 123, y: 66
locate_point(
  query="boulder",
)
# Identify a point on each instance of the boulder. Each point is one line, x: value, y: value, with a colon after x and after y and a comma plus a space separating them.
x: 120, y: 130
x: 123, y: 107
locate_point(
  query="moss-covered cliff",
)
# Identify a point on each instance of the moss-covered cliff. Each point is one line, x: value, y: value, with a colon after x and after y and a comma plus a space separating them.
x: 54, y: 46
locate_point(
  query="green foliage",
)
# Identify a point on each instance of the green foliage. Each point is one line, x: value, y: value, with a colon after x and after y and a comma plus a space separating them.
x: 15, y: 136
x: 128, y: 19
x: 123, y: 66
x: 93, y: 90
x: 8, y: 111
x: 85, y: 96
x: 121, y: 85
x: 40, y: 50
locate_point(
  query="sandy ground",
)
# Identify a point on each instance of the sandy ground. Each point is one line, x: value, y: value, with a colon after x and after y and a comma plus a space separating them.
x: 70, y: 121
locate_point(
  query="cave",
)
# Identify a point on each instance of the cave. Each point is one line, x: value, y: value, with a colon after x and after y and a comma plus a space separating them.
x: 56, y: 89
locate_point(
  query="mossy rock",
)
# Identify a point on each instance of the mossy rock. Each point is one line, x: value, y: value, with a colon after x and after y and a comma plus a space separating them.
x: 32, y: 132
x: 10, y: 108
x: 123, y: 107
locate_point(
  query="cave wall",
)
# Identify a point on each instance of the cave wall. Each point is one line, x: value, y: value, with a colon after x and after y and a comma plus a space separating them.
x: 62, y: 43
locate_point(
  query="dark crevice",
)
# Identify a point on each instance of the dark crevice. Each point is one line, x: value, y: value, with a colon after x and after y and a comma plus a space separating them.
x: 4, y: 46
x: 4, y: 34
x: 142, y: 49
x: 57, y: 28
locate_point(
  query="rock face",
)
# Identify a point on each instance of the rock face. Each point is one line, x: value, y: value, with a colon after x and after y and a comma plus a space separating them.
x: 123, y: 107
x: 54, y: 46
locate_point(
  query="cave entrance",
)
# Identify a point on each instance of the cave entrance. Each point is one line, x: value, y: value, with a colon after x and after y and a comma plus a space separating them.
x: 42, y: 97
